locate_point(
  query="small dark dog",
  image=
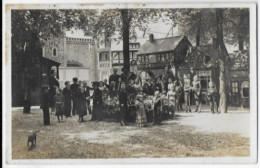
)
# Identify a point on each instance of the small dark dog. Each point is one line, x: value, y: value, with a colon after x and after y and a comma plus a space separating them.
x: 32, y: 139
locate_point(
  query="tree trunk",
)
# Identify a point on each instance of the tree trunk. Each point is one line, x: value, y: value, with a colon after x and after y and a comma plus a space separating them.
x: 125, y: 19
x: 198, y: 34
x: 27, y: 95
x: 222, y: 61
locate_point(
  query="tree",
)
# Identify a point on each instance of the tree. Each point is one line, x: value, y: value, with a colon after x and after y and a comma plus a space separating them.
x: 222, y: 61
x: 30, y: 28
x: 236, y: 26
x: 120, y: 22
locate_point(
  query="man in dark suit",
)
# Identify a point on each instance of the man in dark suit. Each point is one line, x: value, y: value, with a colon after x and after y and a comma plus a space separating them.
x: 114, y: 77
x: 74, y: 92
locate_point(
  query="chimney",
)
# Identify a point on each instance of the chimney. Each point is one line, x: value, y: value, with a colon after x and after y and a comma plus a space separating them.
x: 215, y: 42
x: 151, y: 38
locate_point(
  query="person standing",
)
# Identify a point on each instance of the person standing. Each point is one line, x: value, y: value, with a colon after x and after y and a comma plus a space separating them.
x: 178, y: 90
x: 123, y: 103
x: 168, y: 74
x: 59, y: 104
x: 112, y: 90
x: 54, y: 84
x: 67, y: 99
x: 82, y: 108
x: 97, y: 104
x: 74, y: 92
x: 106, y: 84
x: 187, y: 90
x: 213, y: 97
x: 157, y: 105
x: 141, y: 119
x: 45, y: 104
x: 114, y: 77
x: 171, y: 96
x: 159, y: 84
x: 87, y: 94
x: 196, y: 87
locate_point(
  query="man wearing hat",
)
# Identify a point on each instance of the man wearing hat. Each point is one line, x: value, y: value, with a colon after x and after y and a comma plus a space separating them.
x: 123, y: 103
x: 114, y: 77
x: 53, y: 84
x: 45, y: 103
x: 74, y: 92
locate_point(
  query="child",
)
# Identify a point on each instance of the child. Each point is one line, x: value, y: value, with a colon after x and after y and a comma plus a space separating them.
x: 123, y: 103
x: 141, y: 120
x: 213, y: 97
x: 157, y: 104
x: 171, y: 95
x: 45, y: 104
x: 59, y: 104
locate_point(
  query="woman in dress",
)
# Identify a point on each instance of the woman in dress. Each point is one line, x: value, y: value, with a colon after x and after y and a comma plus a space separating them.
x: 104, y: 90
x: 141, y: 120
x: 171, y: 95
x: 82, y: 108
x: 97, y: 104
x: 138, y: 86
x: 196, y: 87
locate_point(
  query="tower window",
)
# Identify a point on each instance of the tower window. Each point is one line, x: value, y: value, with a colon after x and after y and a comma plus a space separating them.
x: 54, y: 52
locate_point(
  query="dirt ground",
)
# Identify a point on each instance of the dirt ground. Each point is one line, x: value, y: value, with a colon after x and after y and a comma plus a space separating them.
x: 186, y: 136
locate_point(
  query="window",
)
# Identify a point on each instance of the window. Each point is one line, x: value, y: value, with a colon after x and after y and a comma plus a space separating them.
x: 245, y: 89
x: 54, y: 52
x: 104, y: 56
x: 162, y: 57
x: 234, y: 87
x: 204, y: 77
x: 118, y: 57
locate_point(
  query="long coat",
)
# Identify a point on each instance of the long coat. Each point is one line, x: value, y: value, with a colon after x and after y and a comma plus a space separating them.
x: 97, y: 111
x: 67, y: 101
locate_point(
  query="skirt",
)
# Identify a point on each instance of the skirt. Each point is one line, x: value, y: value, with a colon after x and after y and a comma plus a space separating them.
x: 59, y: 109
x: 141, y: 119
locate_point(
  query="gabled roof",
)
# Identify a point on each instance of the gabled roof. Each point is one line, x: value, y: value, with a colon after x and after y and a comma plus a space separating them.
x: 160, y: 45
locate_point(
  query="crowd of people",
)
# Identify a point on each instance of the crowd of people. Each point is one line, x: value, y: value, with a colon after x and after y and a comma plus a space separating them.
x: 166, y: 93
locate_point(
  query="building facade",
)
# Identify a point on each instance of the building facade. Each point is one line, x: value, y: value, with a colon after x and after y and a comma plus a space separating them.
x: 156, y: 54
x: 77, y: 56
x: 118, y: 56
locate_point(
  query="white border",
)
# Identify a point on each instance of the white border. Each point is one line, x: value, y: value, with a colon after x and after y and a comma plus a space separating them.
x: 152, y: 4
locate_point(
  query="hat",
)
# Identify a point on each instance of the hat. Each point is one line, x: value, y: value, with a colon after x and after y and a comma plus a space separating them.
x: 45, y: 86
x: 75, y: 79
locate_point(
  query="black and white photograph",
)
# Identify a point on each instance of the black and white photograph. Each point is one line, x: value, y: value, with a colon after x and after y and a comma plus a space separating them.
x: 133, y: 82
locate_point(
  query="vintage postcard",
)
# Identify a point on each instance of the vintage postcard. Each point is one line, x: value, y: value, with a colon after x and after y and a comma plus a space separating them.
x: 129, y: 83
